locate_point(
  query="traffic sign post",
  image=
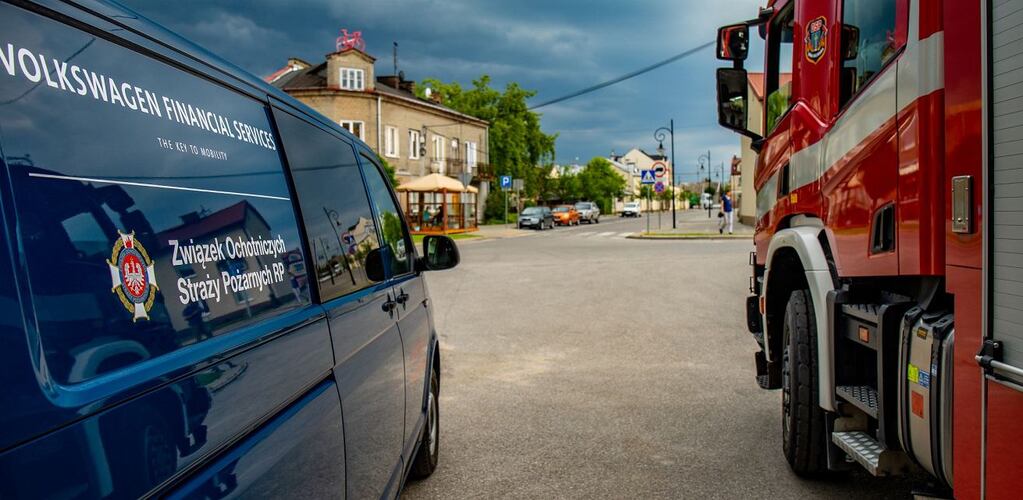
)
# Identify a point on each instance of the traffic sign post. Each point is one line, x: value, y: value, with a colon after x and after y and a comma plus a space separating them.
x: 660, y: 169
x: 506, y: 182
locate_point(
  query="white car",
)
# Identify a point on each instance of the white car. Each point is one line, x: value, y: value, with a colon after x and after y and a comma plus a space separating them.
x: 631, y: 209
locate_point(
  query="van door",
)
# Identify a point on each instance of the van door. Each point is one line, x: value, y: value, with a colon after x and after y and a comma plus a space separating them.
x: 150, y: 255
x: 409, y: 290
x: 369, y: 364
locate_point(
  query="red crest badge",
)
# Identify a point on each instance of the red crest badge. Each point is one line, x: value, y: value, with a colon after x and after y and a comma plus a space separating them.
x: 816, y: 41
x: 132, y: 277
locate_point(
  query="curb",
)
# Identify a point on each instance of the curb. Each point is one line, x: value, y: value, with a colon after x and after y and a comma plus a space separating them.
x: 669, y: 237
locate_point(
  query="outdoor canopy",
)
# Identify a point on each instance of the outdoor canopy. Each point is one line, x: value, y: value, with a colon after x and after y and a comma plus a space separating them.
x: 435, y: 183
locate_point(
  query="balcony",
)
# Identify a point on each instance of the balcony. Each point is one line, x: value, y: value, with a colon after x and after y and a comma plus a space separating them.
x: 454, y: 167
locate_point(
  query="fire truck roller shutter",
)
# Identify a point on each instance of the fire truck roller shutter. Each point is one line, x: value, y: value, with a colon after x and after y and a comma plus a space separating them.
x: 803, y: 241
x: 1006, y: 178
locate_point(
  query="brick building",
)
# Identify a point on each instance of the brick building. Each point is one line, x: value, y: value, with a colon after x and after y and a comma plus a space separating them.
x: 416, y: 136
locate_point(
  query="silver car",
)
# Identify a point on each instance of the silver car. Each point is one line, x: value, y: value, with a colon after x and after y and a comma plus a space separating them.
x: 588, y: 211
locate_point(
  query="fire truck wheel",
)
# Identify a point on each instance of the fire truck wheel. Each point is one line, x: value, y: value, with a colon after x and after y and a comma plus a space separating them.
x: 803, y: 436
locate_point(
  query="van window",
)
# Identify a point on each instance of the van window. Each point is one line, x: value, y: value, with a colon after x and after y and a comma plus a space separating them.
x: 335, y: 207
x: 874, y: 23
x: 393, y: 235
x: 142, y: 224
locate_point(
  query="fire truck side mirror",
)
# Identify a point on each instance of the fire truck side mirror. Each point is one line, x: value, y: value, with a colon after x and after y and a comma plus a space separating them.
x: 733, y: 101
x: 733, y: 42
x: 850, y: 42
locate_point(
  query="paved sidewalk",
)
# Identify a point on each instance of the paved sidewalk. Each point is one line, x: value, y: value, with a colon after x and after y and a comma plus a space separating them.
x: 692, y: 224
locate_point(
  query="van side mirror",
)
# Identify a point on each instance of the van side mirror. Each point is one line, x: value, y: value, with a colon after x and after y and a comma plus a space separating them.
x: 850, y: 42
x: 733, y: 101
x: 733, y: 42
x: 376, y: 271
x: 439, y: 253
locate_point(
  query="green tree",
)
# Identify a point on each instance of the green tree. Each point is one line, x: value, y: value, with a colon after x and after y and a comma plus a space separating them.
x: 389, y: 170
x: 518, y: 147
x: 599, y: 182
x: 665, y: 199
x: 494, y: 209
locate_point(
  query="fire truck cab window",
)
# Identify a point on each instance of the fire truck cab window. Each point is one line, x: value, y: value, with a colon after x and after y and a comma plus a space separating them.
x: 779, y: 61
x: 873, y: 22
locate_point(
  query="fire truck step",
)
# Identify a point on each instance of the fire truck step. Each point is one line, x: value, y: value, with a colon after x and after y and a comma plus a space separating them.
x: 863, y: 397
x: 870, y: 453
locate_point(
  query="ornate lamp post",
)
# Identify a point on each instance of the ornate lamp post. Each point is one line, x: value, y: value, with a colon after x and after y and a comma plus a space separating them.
x: 659, y: 137
x: 704, y: 161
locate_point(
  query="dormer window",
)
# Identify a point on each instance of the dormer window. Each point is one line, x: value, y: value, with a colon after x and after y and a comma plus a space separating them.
x: 353, y: 79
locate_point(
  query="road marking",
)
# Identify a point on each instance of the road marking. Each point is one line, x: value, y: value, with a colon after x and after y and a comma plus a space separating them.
x: 609, y: 233
x: 624, y: 235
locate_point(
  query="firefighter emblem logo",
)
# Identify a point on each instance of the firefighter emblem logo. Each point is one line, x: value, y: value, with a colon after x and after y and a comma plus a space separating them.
x: 132, y: 277
x: 816, y: 41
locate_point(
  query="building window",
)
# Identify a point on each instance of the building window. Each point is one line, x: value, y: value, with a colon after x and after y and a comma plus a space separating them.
x: 415, y: 141
x: 470, y: 154
x: 439, y: 143
x: 358, y: 129
x: 391, y: 142
x: 353, y: 79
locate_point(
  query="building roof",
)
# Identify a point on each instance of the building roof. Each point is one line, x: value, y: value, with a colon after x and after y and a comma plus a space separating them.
x: 315, y: 78
x: 211, y: 224
x: 756, y: 82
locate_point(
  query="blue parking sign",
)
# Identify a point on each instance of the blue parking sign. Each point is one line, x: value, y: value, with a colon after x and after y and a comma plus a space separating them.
x: 506, y: 182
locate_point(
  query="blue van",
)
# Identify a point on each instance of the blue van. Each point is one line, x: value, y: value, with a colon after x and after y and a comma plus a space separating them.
x: 208, y: 290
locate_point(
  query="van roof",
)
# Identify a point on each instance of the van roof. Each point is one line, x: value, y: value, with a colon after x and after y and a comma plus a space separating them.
x: 199, y: 58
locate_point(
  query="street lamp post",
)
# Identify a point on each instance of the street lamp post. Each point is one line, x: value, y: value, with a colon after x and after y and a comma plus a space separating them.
x: 702, y: 160
x: 659, y: 137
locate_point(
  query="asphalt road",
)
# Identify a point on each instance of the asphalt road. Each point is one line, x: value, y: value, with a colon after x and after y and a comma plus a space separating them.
x: 578, y: 364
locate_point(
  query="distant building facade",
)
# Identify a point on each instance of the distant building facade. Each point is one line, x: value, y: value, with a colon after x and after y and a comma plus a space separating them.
x: 747, y: 192
x: 416, y: 136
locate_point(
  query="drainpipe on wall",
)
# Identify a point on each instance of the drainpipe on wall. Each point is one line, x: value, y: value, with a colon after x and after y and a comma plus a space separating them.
x: 379, y: 146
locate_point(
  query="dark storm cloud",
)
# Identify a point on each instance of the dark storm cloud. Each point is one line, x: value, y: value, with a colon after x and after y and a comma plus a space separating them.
x: 551, y: 47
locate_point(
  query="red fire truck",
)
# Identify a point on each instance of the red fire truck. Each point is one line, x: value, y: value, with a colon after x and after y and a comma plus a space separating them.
x: 887, y: 287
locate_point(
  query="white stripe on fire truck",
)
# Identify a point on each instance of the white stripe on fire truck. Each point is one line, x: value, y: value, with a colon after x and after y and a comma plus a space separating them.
x: 919, y: 72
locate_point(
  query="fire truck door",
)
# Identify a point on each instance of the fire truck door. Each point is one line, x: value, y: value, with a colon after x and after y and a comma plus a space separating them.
x: 1004, y: 384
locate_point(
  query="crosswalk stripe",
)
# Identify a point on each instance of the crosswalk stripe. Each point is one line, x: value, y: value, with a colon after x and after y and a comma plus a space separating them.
x: 623, y: 235
x: 609, y: 233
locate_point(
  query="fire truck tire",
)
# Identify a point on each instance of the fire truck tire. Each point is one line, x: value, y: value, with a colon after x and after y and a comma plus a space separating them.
x: 803, y: 432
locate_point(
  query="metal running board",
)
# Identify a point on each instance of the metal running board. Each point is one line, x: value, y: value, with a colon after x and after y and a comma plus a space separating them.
x: 863, y: 397
x: 871, y: 454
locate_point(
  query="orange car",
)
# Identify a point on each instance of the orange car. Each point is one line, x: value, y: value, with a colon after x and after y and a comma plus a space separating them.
x: 566, y: 215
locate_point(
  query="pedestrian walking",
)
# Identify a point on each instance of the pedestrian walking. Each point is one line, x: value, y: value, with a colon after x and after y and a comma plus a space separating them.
x: 727, y: 215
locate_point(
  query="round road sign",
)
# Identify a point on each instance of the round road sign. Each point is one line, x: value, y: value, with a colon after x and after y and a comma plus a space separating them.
x: 659, y: 187
x: 660, y: 169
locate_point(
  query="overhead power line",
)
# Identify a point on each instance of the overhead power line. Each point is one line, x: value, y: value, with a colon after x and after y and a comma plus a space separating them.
x: 624, y: 77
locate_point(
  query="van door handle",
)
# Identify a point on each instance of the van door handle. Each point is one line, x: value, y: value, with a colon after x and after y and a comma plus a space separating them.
x: 389, y: 306
x: 402, y: 298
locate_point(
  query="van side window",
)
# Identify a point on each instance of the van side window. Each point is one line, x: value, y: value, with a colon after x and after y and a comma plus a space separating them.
x: 393, y: 235
x: 873, y: 23
x: 335, y: 208
x: 152, y: 206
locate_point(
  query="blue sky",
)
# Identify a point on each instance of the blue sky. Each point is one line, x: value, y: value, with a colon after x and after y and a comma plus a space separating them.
x: 551, y: 47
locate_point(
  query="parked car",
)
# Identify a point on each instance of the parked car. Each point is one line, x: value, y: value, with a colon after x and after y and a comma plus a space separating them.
x: 588, y: 211
x: 566, y: 215
x: 247, y: 316
x: 631, y: 209
x: 537, y: 218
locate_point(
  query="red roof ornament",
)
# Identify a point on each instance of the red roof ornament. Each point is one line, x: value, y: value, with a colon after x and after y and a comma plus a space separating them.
x: 351, y: 40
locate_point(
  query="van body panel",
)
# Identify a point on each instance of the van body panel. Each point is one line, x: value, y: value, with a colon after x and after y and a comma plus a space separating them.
x: 121, y: 374
x: 293, y: 456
